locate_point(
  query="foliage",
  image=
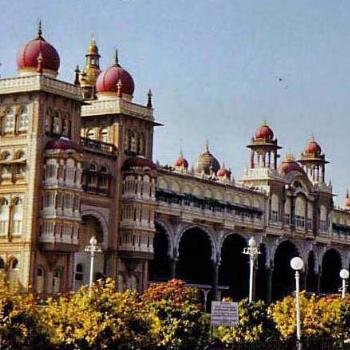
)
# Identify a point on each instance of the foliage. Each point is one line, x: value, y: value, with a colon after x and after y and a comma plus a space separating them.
x: 183, y: 325
x: 254, y: 325
x: 19, y: 320
x: 106, y: 319
x: 320, y: 316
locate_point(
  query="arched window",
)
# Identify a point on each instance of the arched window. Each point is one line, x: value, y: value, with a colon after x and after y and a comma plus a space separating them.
x: 13, y: 272
x: 70, y: 170
x: 141, y: 144
x: 79, y: 272
x: 23, y: 120
x: 68, y: 201
x: 133, y: 143
x: 56, y: 281
x: 92, y: 176
x: 90, y: 134
x: 9, y: 121
x: 17, y: 216
x: 104, y: 135
x: 2, y: 264
x: 21, y: 166
x: 274, y: 216
x: 4, y: 216
x: 133, y: 282
x: 51, y: 169
x: 120, y: 282
x: 300, y: 212
x: 56, y: 123
x: 40, y: 280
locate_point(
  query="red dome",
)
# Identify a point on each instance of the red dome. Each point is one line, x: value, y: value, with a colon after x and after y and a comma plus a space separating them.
x: 313, y: 148
x: 181, y: 162
x: 139, y: 163
x: 28, y: 55
x: 223, y: 172
x: 62, y: 143
x: 264, y: 132
x: 107, y: 80
x: 289, y: 165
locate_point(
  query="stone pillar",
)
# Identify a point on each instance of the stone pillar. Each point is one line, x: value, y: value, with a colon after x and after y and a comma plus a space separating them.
x: 173, y: 263
x: 319, y: 276
x: 216, y: 266
x: 269, y: 284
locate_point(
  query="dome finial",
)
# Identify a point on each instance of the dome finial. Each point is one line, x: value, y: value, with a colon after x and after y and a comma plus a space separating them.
x: 116, y: 59
x: 207, y: 145
x: 40, y: 32
x: 76, y: 78
x: 347, y: 194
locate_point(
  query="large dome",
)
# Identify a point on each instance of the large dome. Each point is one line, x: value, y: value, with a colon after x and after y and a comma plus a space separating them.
x: 28, y: 56
x: 207, y: 163
x: 108, y: 80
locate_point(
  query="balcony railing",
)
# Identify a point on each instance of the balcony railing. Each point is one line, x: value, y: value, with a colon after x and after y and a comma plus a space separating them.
x: 97, y: 145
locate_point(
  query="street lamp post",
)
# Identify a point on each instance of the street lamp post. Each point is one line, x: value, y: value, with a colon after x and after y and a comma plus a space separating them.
x: 92, y: 248
x: 297, y: 264
x: 253, y: 251
x: 344, y: 275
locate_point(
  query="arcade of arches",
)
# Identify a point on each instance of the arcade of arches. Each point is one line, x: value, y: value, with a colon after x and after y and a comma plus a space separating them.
x: 224, y: 271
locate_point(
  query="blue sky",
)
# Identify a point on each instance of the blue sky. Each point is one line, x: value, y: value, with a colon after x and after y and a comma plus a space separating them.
x: 213, y: 67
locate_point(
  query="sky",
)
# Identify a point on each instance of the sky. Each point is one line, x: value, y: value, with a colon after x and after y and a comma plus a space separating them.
x: 214, y: 68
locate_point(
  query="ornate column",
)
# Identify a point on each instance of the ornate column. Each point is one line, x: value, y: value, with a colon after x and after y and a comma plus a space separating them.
x: 269, y: 283
x: 173, y: 262
x: 216, y: 266
x: 319, y: 277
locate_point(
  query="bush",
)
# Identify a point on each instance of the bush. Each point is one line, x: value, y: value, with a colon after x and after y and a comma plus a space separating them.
x: 254, y: 325
x: 183, y: 325
x: 105, y: 320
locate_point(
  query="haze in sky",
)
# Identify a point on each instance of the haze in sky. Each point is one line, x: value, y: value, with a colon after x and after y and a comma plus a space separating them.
x: 217, y: 69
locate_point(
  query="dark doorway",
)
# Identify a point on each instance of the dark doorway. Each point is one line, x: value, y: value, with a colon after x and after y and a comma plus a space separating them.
x: 234, y: 268
x: 159, y: 267
x: 331, y: 266
x: 195, y: 251
x: 283, y: 274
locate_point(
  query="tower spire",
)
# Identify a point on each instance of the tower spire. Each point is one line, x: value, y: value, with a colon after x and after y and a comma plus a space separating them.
x: 40, y: 32
x: 149, y: 101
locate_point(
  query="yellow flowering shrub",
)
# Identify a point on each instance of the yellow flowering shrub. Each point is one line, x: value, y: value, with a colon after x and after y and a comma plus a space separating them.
x: 320, y: 316
x: 254, y: 325
x: 19, y: 328
x: 105, y: 320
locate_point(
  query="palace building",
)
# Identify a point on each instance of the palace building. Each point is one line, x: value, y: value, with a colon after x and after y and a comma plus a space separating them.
x: 76, y: 162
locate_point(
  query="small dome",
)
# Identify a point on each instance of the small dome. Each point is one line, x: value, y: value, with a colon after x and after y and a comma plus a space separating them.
x: 138, y: 162
x: 181, y: 162
x: 313, y: 148
x: 108, y: 80
x: 207, y: 163
x: 264, y: 132
x: 347, y: 201
x: 223, y: 172
x: 27, y: 58
x: 289, y: 164
x: 63, y: 144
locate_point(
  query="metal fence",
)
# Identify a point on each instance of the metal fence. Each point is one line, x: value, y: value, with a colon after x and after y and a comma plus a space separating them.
x: 306, y: 344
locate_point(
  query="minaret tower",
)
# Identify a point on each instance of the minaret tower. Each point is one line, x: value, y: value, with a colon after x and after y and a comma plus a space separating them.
x: 91, y: 71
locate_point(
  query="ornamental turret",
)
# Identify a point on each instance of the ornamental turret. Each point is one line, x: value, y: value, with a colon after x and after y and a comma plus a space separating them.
x: 206, y: 163
x: 91, y: 71
x: 181, y: 163
x: 264, y: 148
x: 314, y: 161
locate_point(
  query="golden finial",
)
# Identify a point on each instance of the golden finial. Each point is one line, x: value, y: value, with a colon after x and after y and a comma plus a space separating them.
x: 264, y: 123
x: 289, y: 157
x: 207, y: 145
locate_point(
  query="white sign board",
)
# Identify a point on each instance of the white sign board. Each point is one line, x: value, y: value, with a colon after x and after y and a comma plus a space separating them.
x: 224, y: 314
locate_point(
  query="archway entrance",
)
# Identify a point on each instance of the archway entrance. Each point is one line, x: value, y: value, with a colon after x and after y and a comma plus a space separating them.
x: 234, y: 268
x: 311, y: 277
x: 283, y: 275
x: 159, y: 267
x: 90, y: 226
x: 195, y: 252
x: 331, y: 266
